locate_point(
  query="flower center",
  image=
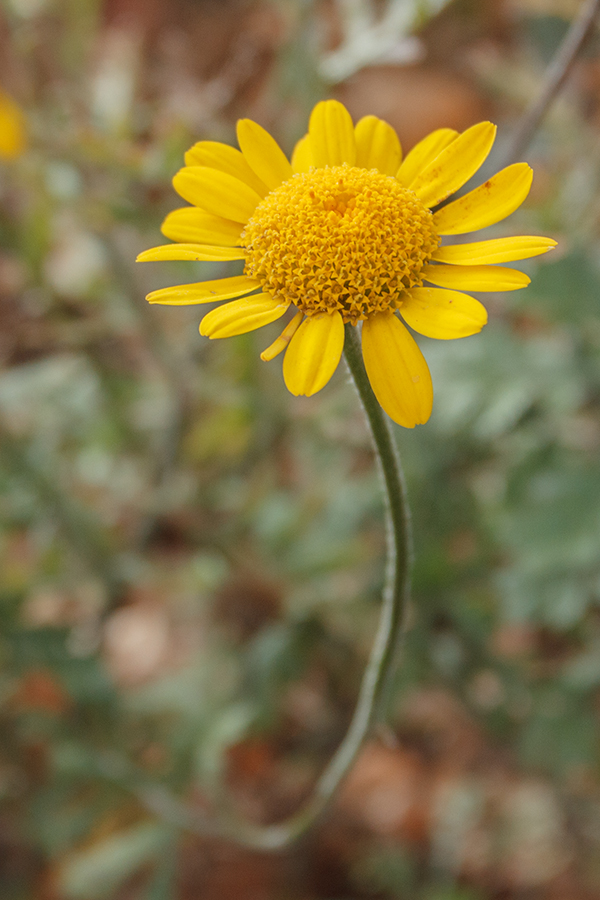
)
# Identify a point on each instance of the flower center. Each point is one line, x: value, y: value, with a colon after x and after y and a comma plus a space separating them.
x: 340, y: 238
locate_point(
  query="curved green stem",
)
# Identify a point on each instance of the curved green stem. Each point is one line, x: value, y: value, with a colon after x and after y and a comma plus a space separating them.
x: 396, y: 594
x: 379, y: 668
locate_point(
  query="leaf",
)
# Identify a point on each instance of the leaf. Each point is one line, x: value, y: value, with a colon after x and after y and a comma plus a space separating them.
x: 96, y: 872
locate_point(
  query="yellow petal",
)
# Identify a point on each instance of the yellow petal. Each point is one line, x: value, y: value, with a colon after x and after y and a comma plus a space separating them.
x: 313, y: 354
x: 476, y: 278
x: 194, y: 226
x: 204, y: 291
x: 487, y: 204
x: 216, y: 192
x: 423, y: 153
x: 441, y: 314
x: 13, y: 138
x: 192, y: 252
x: 498, y: 250
x: 302, y: 157
x: 241, y: 316
x: 454, y: 165
x: 279, y: 345
x: 397, y: 370
x: 332, y: 135
x: 263, y: 154
x: 377, y: 145
x: 219, y: 156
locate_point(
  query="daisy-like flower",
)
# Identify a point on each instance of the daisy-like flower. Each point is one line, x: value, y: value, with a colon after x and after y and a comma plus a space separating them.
x: 347, y: 233
x: 13, y: 140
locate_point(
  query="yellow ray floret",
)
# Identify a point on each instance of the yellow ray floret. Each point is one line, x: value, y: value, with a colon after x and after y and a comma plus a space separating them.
x: 487, y: 204
x: 344, y: 236
x: 279, y: 345
x: 204, y: 291
x: 331, y: 135
x: 313, y: 354
x: 224, y: 158
x: 377, y: 145
x: 454, y: 165
x: 190, y: 225
x: 397, y: 370
x: 263, y: 154
x: 216, y: 192
x: 424, y: 153
x: 442, y: 314
x: 498, y: 250
x: 302, y: 157
x: 241, y: 316
x: 193, y: 252
x: 475, y: 278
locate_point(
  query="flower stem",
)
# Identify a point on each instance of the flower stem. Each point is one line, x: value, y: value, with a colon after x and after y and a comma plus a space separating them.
x: 556, y: 75
x: 396, y: 595
x: 377, y: 674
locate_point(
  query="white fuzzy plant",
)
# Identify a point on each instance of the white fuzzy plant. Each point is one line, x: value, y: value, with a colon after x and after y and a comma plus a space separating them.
x: 372, y: 36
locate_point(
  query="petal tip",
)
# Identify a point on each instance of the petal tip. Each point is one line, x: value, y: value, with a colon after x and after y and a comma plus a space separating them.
x: 146, y: 255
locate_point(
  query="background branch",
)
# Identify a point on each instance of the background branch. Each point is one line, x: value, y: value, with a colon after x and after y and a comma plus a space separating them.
x: 556, y: 76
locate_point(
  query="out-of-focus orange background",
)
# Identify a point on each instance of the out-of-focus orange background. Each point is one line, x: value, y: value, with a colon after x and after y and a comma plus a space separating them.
x: 191, y: 559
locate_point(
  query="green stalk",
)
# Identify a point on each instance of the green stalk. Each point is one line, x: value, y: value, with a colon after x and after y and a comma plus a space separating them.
x: 379, y: 668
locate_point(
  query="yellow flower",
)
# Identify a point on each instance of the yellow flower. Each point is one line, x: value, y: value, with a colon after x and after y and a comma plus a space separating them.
x: 345, y: 233
x: 13, y: 139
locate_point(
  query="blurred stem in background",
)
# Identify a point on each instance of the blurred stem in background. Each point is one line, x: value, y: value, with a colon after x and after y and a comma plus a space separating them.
x: 556, y: 75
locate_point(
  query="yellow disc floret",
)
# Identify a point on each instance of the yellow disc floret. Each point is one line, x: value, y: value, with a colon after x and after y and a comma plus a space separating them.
x: 340, y: 238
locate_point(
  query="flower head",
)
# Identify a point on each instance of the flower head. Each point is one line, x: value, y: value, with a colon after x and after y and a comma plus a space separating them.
x: 347, y: 233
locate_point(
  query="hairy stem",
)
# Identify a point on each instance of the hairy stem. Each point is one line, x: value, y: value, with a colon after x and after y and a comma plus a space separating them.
x: 377, y: 674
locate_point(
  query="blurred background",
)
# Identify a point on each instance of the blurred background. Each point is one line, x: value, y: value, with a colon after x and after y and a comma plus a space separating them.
x: 191, y: 559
